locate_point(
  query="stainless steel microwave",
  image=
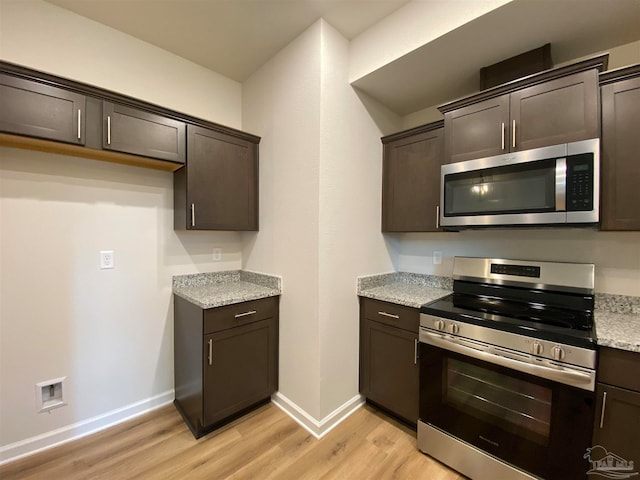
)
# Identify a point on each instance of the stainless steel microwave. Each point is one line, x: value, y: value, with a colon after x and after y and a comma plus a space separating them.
x: 550, y: 185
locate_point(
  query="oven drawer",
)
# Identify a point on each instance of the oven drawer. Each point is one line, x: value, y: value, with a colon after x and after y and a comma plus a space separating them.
x: 620, y: 368
x: 392, y: 314
x: 222, y: 318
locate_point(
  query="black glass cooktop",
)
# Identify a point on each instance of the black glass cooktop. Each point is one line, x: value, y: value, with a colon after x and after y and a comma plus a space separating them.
x: 555, y: 317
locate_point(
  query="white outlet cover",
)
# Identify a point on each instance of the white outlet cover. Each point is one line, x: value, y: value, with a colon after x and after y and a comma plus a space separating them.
x: 107, y: 259
x: 217, y: 254
x: 437, y: 257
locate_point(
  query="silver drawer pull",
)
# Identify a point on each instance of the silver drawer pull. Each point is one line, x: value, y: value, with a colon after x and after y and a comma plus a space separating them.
x: 79, y: 124
x: 245, y: 314
x: 390, y: 315
x: 604, y: 406
x: 210, y: 352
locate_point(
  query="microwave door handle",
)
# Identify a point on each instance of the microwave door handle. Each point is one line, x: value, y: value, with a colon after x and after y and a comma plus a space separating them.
x: 561, y: 184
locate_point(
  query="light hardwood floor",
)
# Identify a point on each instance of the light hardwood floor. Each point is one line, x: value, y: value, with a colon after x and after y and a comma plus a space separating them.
x: 264, y: 444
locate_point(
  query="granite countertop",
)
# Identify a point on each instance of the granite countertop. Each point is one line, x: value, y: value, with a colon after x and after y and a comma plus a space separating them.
x: 408, y: 289
x: 617, y: 320
x: 216, y: 289
x: 617, y: 317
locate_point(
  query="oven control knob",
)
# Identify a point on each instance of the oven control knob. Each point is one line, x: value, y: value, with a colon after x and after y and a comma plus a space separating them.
x: 454, y: 328
x: 558, y: 353
x: 439, y: 324
x: 537, y: 348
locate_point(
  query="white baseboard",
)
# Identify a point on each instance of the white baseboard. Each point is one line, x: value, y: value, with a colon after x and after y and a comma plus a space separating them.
x: 29, y: 446
x: 317, y: 428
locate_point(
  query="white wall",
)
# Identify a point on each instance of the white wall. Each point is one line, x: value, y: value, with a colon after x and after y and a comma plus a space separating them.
x: 616, y: 255
x: 51, y: 39
x: 320, y: 182
x: 408, y: 28
x: 351, y: 243
x: 282, y: 105
x: 110, y: 332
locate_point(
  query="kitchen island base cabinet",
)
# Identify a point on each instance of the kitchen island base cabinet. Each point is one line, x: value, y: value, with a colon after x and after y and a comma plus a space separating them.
x: 225, y: 361
x: 388, y: 357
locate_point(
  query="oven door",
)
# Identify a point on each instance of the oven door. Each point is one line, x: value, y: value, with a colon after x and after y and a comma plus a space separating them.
x: 538, y: 425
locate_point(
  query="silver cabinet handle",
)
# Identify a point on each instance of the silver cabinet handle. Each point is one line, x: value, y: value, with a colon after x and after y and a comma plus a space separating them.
x: 390, y: 315
x: 502, y: 133
x: 245, y: 314
x: 437, y: 217
x: 604, y: 406
x: 513, y: 139
x: 193, y: 215
x: 415, y: 352
x: 79, y: 124
x: 108, y: 130
x: 210, y: 352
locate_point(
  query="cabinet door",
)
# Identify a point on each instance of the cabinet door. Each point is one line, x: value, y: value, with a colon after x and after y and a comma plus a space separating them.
x: 38, y: 110
x: 222, y: 181
x: 411, y: 183
x: 134, y: 131
x: 620, y: 175
x: 558, y: 111
x: 240, y: 369
x: 389, y: 368
x: 617, y: 422
x: 477, y: 131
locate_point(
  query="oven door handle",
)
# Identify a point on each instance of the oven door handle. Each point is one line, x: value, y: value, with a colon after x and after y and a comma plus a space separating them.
x: 567, y: 376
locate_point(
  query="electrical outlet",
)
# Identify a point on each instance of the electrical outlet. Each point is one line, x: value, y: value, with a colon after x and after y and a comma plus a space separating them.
x: 437, y: 257
x: 107, y: 259
x: 217, y: 254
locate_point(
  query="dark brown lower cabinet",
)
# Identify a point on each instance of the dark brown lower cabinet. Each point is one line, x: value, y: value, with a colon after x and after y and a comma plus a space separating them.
x: 617, y: 422
x: 389, y: 357
x: 225, y: 360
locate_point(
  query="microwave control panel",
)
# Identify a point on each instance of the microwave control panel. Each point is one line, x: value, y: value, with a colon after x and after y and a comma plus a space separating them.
x: 580, y: 183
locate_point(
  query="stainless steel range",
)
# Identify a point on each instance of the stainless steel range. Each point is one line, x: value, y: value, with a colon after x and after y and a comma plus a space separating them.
x: 507, y: 370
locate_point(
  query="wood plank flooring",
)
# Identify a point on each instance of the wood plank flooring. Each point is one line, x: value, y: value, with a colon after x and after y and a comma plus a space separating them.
x: 264, y: 444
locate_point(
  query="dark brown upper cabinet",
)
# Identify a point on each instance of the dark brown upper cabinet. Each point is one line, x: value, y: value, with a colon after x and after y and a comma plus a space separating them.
x: 411, y: 179
x: 557, y: 106
x: 130, y: 130
x: 620, y: 173
x: 40, y: 111
x: 217, y: 189
x: 37, y: 110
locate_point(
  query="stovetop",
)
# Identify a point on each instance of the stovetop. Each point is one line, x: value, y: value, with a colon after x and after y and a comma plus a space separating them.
x: 537, y: 320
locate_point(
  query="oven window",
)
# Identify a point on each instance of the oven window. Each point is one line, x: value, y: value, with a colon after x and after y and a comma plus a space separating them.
x: 528, y: 187
x: 518, y: 406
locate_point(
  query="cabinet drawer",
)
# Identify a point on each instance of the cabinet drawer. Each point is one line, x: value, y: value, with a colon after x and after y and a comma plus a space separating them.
x: 222, y: 318
x: 620, y: 368
x: 392, y: 314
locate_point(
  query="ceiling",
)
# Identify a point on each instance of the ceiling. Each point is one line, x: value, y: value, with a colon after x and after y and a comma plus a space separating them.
x: 231, y: 37
x: 236, y: 37
x: 449, y: 67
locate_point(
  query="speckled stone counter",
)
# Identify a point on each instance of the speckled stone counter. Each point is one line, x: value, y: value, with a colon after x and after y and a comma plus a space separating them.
x: 408, y: 289
x: 216, y: 289
x: 617, y: 320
